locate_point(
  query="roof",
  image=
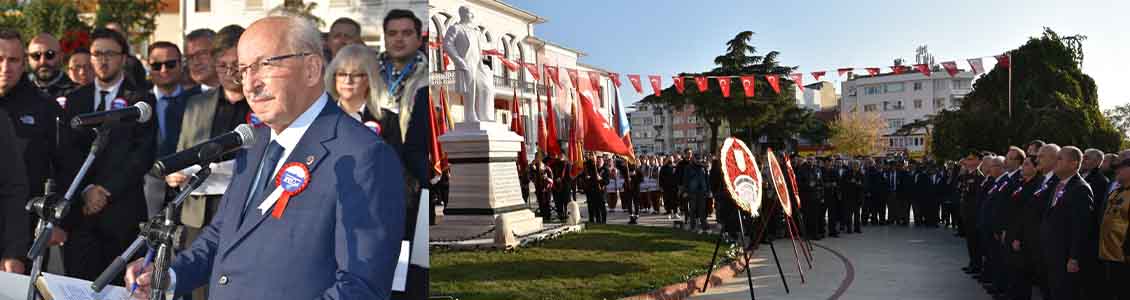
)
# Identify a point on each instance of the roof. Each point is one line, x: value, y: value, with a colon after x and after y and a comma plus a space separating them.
x: 510, y: 9
x: 536, y: 40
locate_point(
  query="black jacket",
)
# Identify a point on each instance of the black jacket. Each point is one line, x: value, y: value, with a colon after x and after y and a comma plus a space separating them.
x: 15, y: 238
x: 120, y: 166
x: 33, y: 120
x: 1027, y: 212
x: 414, y: 148
x: 1065, y: 229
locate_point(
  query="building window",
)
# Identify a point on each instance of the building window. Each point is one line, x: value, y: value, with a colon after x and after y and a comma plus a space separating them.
x: 939, y: 103
x: 872, y: 90
x: 959, y: 84
x: 203, y: 5
x: 917, y: 103
x: 895, y: 123
x: 886, y: 106
x: 869, y: 107
x: 894, y: 87
x: 898, y: 105
x: 918, y: 86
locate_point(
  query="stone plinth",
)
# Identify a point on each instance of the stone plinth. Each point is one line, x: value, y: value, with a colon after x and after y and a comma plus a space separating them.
x: 484, y: 183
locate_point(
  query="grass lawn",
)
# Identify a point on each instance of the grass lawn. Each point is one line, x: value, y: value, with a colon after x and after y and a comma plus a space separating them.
x: 601, y: 262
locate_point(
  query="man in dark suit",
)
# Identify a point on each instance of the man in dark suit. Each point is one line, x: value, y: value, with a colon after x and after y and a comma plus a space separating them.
x: 1066, y: 228
x: 875, y: 208
x: 1023, y: 234
x: 811, y: 192
x: 969, y: 186
x: 112, y: 203
x: 15, y: 239
x: 335, y: 232
x: 906, y: 194
x: 167, y: 71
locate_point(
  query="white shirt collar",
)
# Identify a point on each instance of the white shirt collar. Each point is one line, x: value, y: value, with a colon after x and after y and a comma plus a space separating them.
x: 158, y: 95
x: 205, y: 87
x: 290, y: 136
x: 113, y: 89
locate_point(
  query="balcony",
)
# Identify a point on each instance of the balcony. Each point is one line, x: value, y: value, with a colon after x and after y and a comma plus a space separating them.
x: 510, y: 83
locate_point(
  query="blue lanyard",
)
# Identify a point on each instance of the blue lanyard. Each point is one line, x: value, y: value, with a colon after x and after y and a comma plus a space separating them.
x: 392, y: 85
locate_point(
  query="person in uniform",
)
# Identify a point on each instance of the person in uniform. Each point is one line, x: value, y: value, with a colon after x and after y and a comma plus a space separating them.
x: 1114, y: 251
x: 969, y: 186
x: 833, y: 196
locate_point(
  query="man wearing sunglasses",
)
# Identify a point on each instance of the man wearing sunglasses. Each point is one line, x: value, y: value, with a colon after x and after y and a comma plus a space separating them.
x: 166, y: 70
x: 45, y: 58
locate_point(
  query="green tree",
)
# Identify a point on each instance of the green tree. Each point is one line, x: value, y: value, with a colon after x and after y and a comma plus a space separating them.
x: 137, y: 17
x: 1052, y: 100
x: 51, y: 16
x: 300, y: 9
x: 1119, y: 117
x: 773, y: 114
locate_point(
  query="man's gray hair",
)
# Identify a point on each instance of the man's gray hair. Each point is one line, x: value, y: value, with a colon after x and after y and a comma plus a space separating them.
x: 300, y: 33
x: 1093, y: 153
x: 1072, y: 153
x: 995, y: 160
x: 1050, y: 147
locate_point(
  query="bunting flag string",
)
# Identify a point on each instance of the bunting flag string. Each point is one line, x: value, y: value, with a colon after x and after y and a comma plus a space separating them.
x: 615, y: 78
x: 635, y: 79
x: 678, y: 84
x: 594, y: 80
x: 872, y: 71
x: 533, y: 71
x: 551, y: 72
x: 656, y: 84
x: 724, y: 83
x: 701, y: 82
x: 748, y: 84
x: 951, y: 67
x: 975, y: 64
x: 844, y: 70
x: 774, y: 83
x: 798, y: 78
x: 816, y: 75
x: 925, y: 69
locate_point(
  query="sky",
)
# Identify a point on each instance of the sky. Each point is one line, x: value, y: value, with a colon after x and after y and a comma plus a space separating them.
x: 665, y: 37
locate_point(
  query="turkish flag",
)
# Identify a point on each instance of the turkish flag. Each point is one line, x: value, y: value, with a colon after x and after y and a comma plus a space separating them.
x: 599, y: 134
x: 873, y: 71
x: 701, y: 82
x: 492, y: 52
x: 817, y: 75
x: 615, y: 78
x: 975, y: 64
x: 513, y: 67
x: 438, y: 162
x: 551, y: 145
x: 656, y: 83
x: 573, y: 77
x: 774, y: 82
x: 951, y: 67
x: 551, y: 72
x: 533, y: 71
x: 594, y: 79
x: 1004, y: 60
x: 678, y: 84
x: 516, y: 127
x: 798, y: 79
x: 635, y: 80
x: 724, y: 83
x: 844, y: 70
x: 748, y: 84
x: 923, y: 68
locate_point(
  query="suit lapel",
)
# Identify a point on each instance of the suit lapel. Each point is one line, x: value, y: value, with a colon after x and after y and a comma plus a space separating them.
x: 311, y: 145
x: 240, y: 187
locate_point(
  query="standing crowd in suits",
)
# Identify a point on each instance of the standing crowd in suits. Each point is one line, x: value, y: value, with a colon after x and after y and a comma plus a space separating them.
x: 376, y: 159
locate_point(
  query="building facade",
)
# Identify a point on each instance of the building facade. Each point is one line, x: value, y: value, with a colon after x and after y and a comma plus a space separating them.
x: 901, y: 99
x: 657, y: 129
x: 817, y: 96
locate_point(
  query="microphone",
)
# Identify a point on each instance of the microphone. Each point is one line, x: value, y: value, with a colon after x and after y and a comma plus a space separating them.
x: 141, y: 112
x: 205, y: 152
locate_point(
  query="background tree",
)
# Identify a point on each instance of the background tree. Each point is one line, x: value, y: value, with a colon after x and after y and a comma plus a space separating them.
x: 56, y: 17
x: 301, y: 9
x: 857, y: 134
x: 138, y: 17
x: 750, y: 116
x: 1053, y: 100
x: 1119, y: 117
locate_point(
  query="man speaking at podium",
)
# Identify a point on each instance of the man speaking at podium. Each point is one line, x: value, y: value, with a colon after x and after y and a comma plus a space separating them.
x: 315, y: 209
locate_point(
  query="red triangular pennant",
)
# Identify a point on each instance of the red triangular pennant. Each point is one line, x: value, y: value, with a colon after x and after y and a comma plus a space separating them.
x: 573, y: 76
x: 551, y: 72
x: 594, y: 79
x: 844, y: 70
x: 925, y: 69
x: 1004, y: 60
x: 724, y: 84
x: 798, y: 79
x: 951, y: 67
x: 774, y: 82
x: 615, y: 78
x: 817, y: 75
x: 700, y: 81
x: 678, y: 84
x: 896, y: 69
x: 656, y: 84
x: 533, y: 69
x: 748, y: 85
x: 872, y: 71
x: 975, y: 64
x: 635, y: 80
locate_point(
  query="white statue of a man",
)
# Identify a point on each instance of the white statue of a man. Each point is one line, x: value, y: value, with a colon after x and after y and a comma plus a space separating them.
x: 472, y: 78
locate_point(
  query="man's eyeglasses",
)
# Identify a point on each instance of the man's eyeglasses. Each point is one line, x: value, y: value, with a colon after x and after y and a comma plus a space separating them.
x: 105, y: 54
x: 48, y: 55
x: 168, y: 64
x: 199, y: 55
x: 245, y: 70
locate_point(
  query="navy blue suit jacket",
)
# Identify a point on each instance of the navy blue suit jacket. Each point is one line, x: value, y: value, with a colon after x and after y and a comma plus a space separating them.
x: 338, y: 239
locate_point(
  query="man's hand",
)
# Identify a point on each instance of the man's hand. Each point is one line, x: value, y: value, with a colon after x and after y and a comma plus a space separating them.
x: 134, y: 274
x: 96, y: 198
x: 1072, y: 266
x: 1015, y: 245
x: 12, y: 265
x: 175, y: 179
x: 58, y: 237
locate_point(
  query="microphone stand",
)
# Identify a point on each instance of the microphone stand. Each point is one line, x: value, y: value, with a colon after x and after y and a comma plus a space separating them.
x: 52, y: 210
x: 162, y: 232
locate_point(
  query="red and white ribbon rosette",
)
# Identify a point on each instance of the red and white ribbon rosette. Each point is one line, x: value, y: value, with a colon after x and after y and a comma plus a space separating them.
x: 292, y: 179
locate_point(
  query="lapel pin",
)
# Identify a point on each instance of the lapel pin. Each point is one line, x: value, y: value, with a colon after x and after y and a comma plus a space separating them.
x: 310, y: 160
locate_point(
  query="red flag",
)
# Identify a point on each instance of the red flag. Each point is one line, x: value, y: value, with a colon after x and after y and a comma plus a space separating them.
x: 975, y: 64
x: 635, y: 79
x: 749, y: 83
x: 656, y: 82
x: 1004, y: 60
x: 533, y: 71
x: 513, y: 67
x: 798, y: 79
x: 951, y: 67
x: 817, y: 75
x: 615, y: 78
x: 897, y: 69
x: 873, y: 71
x: 844, y: 70
x: 551, y: 146
x: 594, y: 79
x: 724, y: 83
x: 438, y: 161
x: 925, y: 69
x: 573, y: 77
x: 774, y: 82
x: 598, y: 133
x: 551, y: 72
x: 678, y: 84
x: 516, y: 127
x: 576, y: 155
x: 700, y: 81
x: 492, y: 52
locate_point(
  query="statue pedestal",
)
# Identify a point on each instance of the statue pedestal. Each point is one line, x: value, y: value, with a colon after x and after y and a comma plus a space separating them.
x: 484, y: 184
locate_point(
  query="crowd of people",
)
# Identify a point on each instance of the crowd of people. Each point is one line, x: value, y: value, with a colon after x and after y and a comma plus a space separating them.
x: 197, y: 92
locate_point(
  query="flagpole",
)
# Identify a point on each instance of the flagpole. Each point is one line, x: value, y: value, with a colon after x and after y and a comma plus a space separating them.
x: 1010, y: 86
